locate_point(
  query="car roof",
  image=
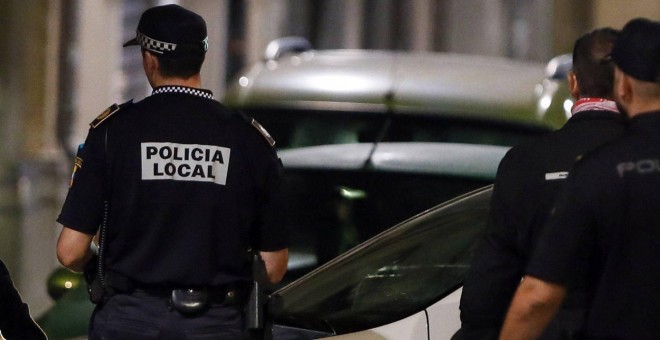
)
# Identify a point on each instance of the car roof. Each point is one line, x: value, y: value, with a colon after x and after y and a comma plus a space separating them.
x: 393, y: 81
x: 451, y: 159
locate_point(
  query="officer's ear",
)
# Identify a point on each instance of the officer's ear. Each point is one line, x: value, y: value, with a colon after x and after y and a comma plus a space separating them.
x: 148, y: 58
x: 622, y: 88
x: 573, y: 85
x: 150, y: 64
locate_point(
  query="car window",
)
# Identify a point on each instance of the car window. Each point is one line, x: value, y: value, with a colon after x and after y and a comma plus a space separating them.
x: 297, y: 128
x: 399, y: 273
x: 331, y: 211
x: 409, y: 128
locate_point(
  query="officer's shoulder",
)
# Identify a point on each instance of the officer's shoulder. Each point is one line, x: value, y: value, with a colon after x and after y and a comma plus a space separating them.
x: 259, y: 128
x: 609, y: 152
x: 535, y: 146
x: 111, y: 111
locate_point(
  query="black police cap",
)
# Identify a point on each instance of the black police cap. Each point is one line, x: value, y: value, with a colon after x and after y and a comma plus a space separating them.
x: 637, y: 50
x: 171, y: 30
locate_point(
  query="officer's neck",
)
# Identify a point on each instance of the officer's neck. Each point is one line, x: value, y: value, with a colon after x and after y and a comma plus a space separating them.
x: 195, y: 81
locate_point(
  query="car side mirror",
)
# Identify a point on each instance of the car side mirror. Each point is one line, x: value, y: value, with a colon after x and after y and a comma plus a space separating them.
x: 559, y: 66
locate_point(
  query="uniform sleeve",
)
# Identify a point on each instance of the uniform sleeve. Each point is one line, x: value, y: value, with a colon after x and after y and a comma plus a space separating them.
x: 557, y: 256
x: 497, y: 267
x: 83, y: 206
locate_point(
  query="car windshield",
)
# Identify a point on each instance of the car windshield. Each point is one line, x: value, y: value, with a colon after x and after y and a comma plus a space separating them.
x: 398, y: 273
x: 331, y: 211
x: 296, y: 128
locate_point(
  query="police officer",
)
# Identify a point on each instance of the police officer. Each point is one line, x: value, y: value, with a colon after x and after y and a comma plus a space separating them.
x: 183, y: 187
x: 528, y: 180
x: 610, y: 209
x: 15, y: 319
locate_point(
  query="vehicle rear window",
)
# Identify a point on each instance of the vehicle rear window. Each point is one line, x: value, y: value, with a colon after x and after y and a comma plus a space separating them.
x: 408, y: 128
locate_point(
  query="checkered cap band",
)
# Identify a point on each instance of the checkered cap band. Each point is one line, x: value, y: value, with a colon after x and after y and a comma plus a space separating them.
x: 186, y: 90
x: 154, y: 45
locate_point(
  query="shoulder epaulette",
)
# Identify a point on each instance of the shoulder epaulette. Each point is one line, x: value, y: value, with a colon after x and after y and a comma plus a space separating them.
x: 256, y: 125
x: 263, y: 132
x: 114, y: 108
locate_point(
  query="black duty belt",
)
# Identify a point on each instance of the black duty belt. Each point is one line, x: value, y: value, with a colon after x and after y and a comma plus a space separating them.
x: 190, y: 301
x: 187, y: 300
x: 219, y: 295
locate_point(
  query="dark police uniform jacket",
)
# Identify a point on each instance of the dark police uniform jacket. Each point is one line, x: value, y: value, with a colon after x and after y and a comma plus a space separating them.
x: 191, y: 186
x: 15, y: 319
x: 611, y: 208
x: 528, y: 180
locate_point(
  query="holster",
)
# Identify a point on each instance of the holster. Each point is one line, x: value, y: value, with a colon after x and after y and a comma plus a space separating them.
x: 95, y: 289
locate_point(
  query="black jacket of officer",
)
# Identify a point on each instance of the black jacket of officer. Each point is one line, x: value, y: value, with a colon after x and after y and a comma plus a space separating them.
x: 15, y: 319
x: 189, y: 186
x: 528, y: 180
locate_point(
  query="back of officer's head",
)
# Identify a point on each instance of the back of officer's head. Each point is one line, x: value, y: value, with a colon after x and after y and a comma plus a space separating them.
x: 637, y: 52
x: 594, y: 72
x: 637, y: 55
x: 176, y: 36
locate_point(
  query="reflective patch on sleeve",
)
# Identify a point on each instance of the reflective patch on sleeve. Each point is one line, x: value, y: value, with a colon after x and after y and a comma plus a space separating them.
x: 551, y: 176
x: 77, y: 164
x: 185, y: 162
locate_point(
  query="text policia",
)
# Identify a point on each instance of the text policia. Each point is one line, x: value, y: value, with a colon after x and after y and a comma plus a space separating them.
x: 185, y: 162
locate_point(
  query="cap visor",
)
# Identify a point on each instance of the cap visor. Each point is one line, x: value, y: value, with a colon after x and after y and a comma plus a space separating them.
x: 131, y: 42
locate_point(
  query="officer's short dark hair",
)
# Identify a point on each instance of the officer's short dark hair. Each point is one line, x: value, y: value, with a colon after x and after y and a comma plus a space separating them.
x: 180, y: 67
x: 592, y: 63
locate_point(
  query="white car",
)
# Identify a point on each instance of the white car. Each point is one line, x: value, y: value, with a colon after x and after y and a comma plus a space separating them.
x: 405, y: 283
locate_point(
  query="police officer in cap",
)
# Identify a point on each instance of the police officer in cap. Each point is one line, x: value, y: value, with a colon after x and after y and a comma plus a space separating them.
x: 182, y: 187
x: 610, y: 211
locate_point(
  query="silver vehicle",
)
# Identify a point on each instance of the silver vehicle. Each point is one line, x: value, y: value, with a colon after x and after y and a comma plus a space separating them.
x: 312, y: 97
